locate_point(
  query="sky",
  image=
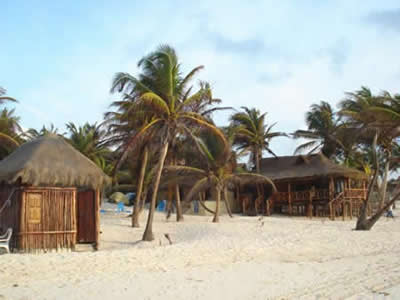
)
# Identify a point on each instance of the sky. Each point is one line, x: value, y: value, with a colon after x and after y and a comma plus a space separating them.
x: 58, y: 58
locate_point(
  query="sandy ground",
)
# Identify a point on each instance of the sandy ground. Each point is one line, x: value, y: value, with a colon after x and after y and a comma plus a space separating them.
x: 240, y: 258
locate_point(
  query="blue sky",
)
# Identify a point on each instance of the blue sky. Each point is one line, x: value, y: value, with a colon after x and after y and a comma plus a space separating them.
x: 58, y: 57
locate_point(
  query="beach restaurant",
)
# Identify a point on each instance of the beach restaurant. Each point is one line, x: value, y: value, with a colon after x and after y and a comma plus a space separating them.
x: 314, y: 186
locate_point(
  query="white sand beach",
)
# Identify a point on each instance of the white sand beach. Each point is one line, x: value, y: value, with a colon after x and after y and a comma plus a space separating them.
x: 240, y: 258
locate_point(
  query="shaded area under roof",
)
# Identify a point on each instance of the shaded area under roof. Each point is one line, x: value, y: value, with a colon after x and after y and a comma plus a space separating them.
x: 298, y: 167
x: 51, y: 161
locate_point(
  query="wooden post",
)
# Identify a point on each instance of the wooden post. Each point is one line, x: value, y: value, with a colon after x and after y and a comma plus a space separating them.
x: 97, y: 218
x: 351, y: 209
x: 343, y: 209
x: 289, y: 200
x: 238, y: 195
x: 74, y: 227
x: 330, y: 196
x: 21, y: 238
x: 309, y: 208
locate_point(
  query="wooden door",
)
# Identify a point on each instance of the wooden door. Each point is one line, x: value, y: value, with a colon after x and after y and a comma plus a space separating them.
x: 86, y: 223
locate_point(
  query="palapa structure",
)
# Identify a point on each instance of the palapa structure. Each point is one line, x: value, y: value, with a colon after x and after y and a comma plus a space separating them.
x: 50, y: 195
x: 314, y: 186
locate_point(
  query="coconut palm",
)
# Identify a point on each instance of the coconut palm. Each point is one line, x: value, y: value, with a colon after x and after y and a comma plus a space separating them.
x: 161, y: 91
x: 252, y: 135
x: 377, y: 118
x: 32, y: 133
x: 323, y: 130
x: 215, y: 171
x: 123, y: 124
x: 4, y: 97
x: 10, y: 132
x: 89, y: 139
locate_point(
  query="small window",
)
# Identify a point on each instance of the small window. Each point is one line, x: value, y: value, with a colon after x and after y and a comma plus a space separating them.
x: 34, y: 201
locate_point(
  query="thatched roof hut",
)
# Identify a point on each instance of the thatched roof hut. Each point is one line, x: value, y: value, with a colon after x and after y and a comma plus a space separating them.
x: 54, y: 195
x: 314, y: 185
x: 51, y: 161
x: 305, y: 167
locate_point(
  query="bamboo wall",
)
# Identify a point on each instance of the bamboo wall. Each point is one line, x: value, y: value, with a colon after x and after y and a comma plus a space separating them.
x: 47, y: 219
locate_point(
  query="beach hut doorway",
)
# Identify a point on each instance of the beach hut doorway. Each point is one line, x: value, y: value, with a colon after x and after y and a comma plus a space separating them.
x: 85, y: 209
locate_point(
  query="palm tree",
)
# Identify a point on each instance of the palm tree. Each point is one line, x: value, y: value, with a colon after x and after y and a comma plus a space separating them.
x: 161, y: 91
x: 323, y: 130
x: 252, y: 135
x: 89, y: 139
x: 216, y: 170
x: 377, y: 118
x: 123, y: 124
x: 10, y: 132
x: 32, y: 133
x: 4, y: 98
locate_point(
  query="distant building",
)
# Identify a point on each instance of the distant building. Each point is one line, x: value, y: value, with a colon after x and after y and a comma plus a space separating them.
x: 314, y: 186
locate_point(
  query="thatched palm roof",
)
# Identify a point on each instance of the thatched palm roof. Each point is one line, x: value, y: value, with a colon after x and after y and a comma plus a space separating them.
x: 51, y: 161
x: 297, y: 167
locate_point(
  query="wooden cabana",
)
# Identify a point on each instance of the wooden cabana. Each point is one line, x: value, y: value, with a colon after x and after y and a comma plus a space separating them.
x: 314, y: 186
x: 50, y: 196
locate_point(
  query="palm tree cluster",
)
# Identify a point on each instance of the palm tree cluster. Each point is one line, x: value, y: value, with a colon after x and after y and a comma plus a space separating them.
x: 162, y: 107
x: 159, y: 133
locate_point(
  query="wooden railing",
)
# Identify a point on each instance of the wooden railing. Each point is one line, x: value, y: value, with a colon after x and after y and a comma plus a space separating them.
x: 281, y: 197
x: 301, y: 196
x: 355, y: 193
x: 320, y: 194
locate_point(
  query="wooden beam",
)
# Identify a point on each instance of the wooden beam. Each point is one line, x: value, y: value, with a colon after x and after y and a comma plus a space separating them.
x: 351, y: 209
x: 97, y: 218
x: 343, y: 209
x: 331, y: 195
x: 74, y: 218
x: 22, y: 219
x: 309, y: 208
x: 289, y: 200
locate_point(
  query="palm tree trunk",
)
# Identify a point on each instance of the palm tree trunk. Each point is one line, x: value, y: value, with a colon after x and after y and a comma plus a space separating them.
x: 169, y: 200
x: 218, y: 200
x: 367, y: 224
x: 385, y: 180
x: 148, y: 233
x: 201, y: 201
x: 362, y: 218
x: 260, y: 187
x: 257, y: 161
x: 144, y: 199
x: 179, y: 215
x: 136, y: 208
x: 228, y: 208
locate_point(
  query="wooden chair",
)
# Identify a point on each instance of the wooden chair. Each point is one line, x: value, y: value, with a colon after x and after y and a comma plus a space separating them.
x: 5, y: 240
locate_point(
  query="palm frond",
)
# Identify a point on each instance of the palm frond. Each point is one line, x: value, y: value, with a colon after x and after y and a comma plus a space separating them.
x: 245, y: 178
x: 156, y: 102
x: 305, y: 146
x: 200, y: 186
